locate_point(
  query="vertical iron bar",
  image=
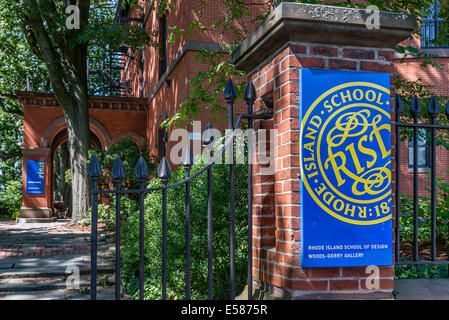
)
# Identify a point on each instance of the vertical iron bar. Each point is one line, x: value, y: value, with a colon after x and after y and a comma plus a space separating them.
x: 141, y: 241
x: 117, y: 242
x: 433, y: 190
x: 415, y: 190
x: 164, y: 241
x: 209, y: 234
x: 397, y: 194
x: 187, y: 235
x: 232, y: 204
x: 93, y: 242
x: 250, y: 204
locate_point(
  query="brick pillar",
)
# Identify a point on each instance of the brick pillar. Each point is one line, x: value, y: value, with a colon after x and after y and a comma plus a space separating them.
x: 299, y: 36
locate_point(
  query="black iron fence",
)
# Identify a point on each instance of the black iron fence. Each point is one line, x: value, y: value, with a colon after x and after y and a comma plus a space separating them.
x: 164, y: 174
x: 415, y: 212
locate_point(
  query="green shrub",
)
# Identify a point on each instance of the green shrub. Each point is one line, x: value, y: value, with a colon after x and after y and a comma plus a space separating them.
x: 11, y: 200
x: 176, y: 237
x: 426, y: 271
x: 130, y: 153
x: 424, y: 214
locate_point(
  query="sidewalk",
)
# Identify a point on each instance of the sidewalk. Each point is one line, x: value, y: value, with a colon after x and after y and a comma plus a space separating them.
x: 37, y: 258
x: 421, y: 289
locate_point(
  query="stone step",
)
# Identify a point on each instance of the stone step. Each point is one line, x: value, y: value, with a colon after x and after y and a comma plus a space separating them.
x: 46, y: 284
x: 38, y: 286
x: 104, y: 268
x: 60, y: 294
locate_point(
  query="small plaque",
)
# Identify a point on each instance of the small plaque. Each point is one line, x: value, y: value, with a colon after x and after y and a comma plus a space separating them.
x: 35, y: 177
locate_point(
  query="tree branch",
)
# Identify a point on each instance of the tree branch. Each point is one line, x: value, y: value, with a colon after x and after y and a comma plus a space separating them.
x: 43, y: 42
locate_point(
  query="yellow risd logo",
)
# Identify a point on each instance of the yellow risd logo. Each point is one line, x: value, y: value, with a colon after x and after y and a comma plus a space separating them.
x: 346, y: 153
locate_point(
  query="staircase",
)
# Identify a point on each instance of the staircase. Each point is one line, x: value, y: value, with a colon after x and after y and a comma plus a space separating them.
x: 42, y: 266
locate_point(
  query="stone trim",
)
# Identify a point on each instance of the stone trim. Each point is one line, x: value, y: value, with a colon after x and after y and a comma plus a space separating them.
x: 58, y: 124
x: 43, y: 99
x: 137, y: 138
x: 299, y: 22
x: 35, y: 150
x: 35, y: 212
x: 439, y: 52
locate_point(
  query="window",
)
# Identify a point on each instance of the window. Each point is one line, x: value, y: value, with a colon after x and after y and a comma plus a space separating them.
x: 434, y: 28
x: 423, y: 150
x: 163, y: 48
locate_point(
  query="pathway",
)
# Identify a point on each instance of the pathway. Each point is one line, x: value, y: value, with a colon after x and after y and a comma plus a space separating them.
x: 37, y: 259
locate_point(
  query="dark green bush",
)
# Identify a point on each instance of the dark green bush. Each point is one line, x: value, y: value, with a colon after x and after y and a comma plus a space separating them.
x: 426, y: 271
x: 176, y: 237
x: 11, y: 200
x: 424, y: 214
x: 130, y: 153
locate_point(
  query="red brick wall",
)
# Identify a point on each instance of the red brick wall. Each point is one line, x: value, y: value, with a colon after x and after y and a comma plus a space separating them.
x: 411, y: 70
x: 168, y: 99
x: 277, y: 234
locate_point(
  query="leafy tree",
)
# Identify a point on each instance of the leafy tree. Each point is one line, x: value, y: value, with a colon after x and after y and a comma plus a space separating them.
x: 64, y: 52
x: 18, y: 66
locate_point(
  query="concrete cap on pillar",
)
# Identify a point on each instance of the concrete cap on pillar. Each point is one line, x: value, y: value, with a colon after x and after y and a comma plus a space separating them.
x: 309, y: 23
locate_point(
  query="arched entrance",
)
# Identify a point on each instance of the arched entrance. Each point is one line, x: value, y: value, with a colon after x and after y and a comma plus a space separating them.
x: 61, y: 191
x: 111, y: 119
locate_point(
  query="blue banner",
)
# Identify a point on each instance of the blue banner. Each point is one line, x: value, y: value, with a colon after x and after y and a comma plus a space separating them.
x: 35, y: 177
x: 345, y: 168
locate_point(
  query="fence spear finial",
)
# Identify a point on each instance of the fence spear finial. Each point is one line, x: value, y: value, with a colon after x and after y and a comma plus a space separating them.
x: 187, y: 157
x: 94, y: 169
x: 415, y: 107
x: 433, y: 108
x: 230, y: 92
x: 141, y: 172
x: 164, y: 171
x: 118, y: 170
x: 250, y: 93
x: 399, y: 107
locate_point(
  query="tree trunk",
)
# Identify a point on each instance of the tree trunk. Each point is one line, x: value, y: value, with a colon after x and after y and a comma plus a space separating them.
x: 79, y: 144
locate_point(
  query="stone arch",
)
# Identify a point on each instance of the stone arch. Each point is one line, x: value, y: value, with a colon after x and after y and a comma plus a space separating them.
x: 137, y: 138
x: 59, y: 124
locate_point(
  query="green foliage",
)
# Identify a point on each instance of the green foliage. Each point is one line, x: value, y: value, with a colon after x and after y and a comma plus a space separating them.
x: 11, y: 200
x: 105, y: 214
x: 426, y: 271
x: 207, y: 87
x: 129, y: 153
x: 424, y: 214
x: 68, y: 176
x: 176, y: 236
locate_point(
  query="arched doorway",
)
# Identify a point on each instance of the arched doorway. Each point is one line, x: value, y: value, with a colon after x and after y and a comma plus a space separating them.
x: 43, y: 127
x: 61, y: 191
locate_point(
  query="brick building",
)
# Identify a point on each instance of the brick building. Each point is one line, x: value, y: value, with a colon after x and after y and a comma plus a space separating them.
x: 160, y: 75
x: 305, y: 37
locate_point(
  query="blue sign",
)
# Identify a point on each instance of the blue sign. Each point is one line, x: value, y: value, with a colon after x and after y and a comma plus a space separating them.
x: 345, y: 168
x: 35, y: 177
